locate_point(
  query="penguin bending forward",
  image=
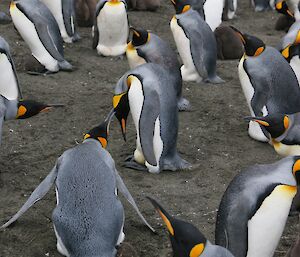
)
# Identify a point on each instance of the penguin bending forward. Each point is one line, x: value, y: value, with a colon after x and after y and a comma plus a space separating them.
x: 88, y: 219
x: 12, y: 106
x: 267, y: 81
x: 147, y: 92
x: 255, y: 206
x: 196, y: 44
x: 186, y: 239
x: 110, y: 29
x: 148, y: 47
x: 40, y: 31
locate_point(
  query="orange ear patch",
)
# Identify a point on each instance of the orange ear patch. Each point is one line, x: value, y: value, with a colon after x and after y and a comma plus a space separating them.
x: 197, y: 250
x: 259, y: 51
x: 103, y: 141
x: 21, y: 111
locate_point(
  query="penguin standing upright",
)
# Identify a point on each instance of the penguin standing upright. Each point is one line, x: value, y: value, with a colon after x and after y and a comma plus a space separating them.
x: 186, y: 239
x: 196, y: 44
x: 10, y: 105
x: 254, y: 209
x: 148, y: 93
x: 213, y: 10
x: 286, y: 20
x: 267, y: 81
x: 148, y: 47
x: 229, y: 10
x: 88, y: 219
x: 64, y: 13
x: 110, y: 30
x: 39, y: 29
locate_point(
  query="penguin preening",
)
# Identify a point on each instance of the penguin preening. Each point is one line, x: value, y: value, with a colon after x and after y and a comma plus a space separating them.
x: 267, y: 81
x: 64, y: 14
x: 39, y: 29
x: 255, y: 206
x: 88, y: 219
x: 186, y: 239
x: 110, y: 29
x: 196, y: 44
x: 148, y: 47
x: 12, y: 106
x: 148, y: 93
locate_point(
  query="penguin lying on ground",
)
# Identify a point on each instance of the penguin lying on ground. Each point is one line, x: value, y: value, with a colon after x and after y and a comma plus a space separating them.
x: 148, y: 47
x: 196, y: 44
x: 148, y: 93
x: 85, y: 11
x: 254, y: 209
x: 286, y: 21
x: 228, y: 43
x: 4, y: 18
x: 88, y: 219
x: 110, y: 30
x: 39, y: 29
x: 294, y: 251
x: 10, y: 107
x: 186, y: 239
x: 64, y: 14
x: 268, y: 81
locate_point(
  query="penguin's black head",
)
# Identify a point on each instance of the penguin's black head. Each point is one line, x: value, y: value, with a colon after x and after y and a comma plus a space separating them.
x: 186, y: 239
x: 101, y: 132
x: 121, y: 108
x: 292, y: 50
x: 283, y: 8
x: 181, y: 6
x: 139, y: 37
x: 253, y: 45
x: 275, y: 124
x: 296, y: 169
x: 29, y: 108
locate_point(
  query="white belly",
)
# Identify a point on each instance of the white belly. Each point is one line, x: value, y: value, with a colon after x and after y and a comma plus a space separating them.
x: 136, y: 100
x: 27, y: 30
x: 8, y: 82
x: 113, y: 29
x: 266, y: 226
x: 213, y: 10
x: 286, y: 150
x: 133, y: 59
x: 55, y: 7
x: 295, y: 64
x: 188, y: 69
x: 254, y: 128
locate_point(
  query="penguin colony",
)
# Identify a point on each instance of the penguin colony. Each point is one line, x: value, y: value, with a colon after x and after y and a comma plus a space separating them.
x: 89, y: 218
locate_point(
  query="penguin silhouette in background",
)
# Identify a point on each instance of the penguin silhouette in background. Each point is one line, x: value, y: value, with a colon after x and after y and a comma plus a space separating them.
x: 229, y: 10
x: 186, y: 239
x: 148, y: 93
x: 85, y: 11
x: 10, y: 105
x: 267, y: 81
x: 148, y: 47
x: 196, y: 44
x: 64, y: 14
x: 255, y: 206
x: 40, y: 31
x: 89, y: 218
x: 286, y: 20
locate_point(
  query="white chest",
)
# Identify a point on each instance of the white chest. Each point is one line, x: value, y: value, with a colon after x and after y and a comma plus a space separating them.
x: 295, y: 64
x: 266, y: 226
x: 133, y: 58
x: 213, y: 10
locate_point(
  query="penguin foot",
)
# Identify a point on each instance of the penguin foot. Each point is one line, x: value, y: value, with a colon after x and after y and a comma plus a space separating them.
x: 177, y: 164
x: 183, y: 105
x: 132, y: 164
x: 214, y: 80
x: 36, y: 73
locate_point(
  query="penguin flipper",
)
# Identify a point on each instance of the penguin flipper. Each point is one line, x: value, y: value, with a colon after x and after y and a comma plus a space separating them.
x: 36, y: 195
x: 69, y: 19
x: 95, y: 33
x: 150, y: 112
x: 124, y: 190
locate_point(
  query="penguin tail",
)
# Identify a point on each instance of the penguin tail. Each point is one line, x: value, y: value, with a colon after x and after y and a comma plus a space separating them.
x: 36, y: 195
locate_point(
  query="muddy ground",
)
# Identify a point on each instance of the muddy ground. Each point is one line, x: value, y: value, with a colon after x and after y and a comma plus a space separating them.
x: 213, y: 135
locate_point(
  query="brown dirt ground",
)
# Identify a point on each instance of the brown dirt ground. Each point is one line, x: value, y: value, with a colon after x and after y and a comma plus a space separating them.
x: 213, y: 135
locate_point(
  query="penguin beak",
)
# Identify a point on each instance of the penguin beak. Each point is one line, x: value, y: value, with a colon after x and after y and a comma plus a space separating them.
x: 121, y: 110
x: 166, y: 217
x: 259, y: 120
x: 240, y: 35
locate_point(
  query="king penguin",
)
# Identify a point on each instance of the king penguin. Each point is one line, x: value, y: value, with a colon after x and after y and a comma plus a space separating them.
x: 147, y: 92
x: 213, y: 10
x: 148, y: 47
x: 255, y: 206
x: 39, y: 29
x: 230, y: 7
x: 267, y: 81
x: 293, y: 6
x: 12, y: 105
x: 291, y: 37
x: 110, y: 30
x: 196, y: 44
x: 186, y: 239
x: 88, y: 219
x: 64, y: 14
